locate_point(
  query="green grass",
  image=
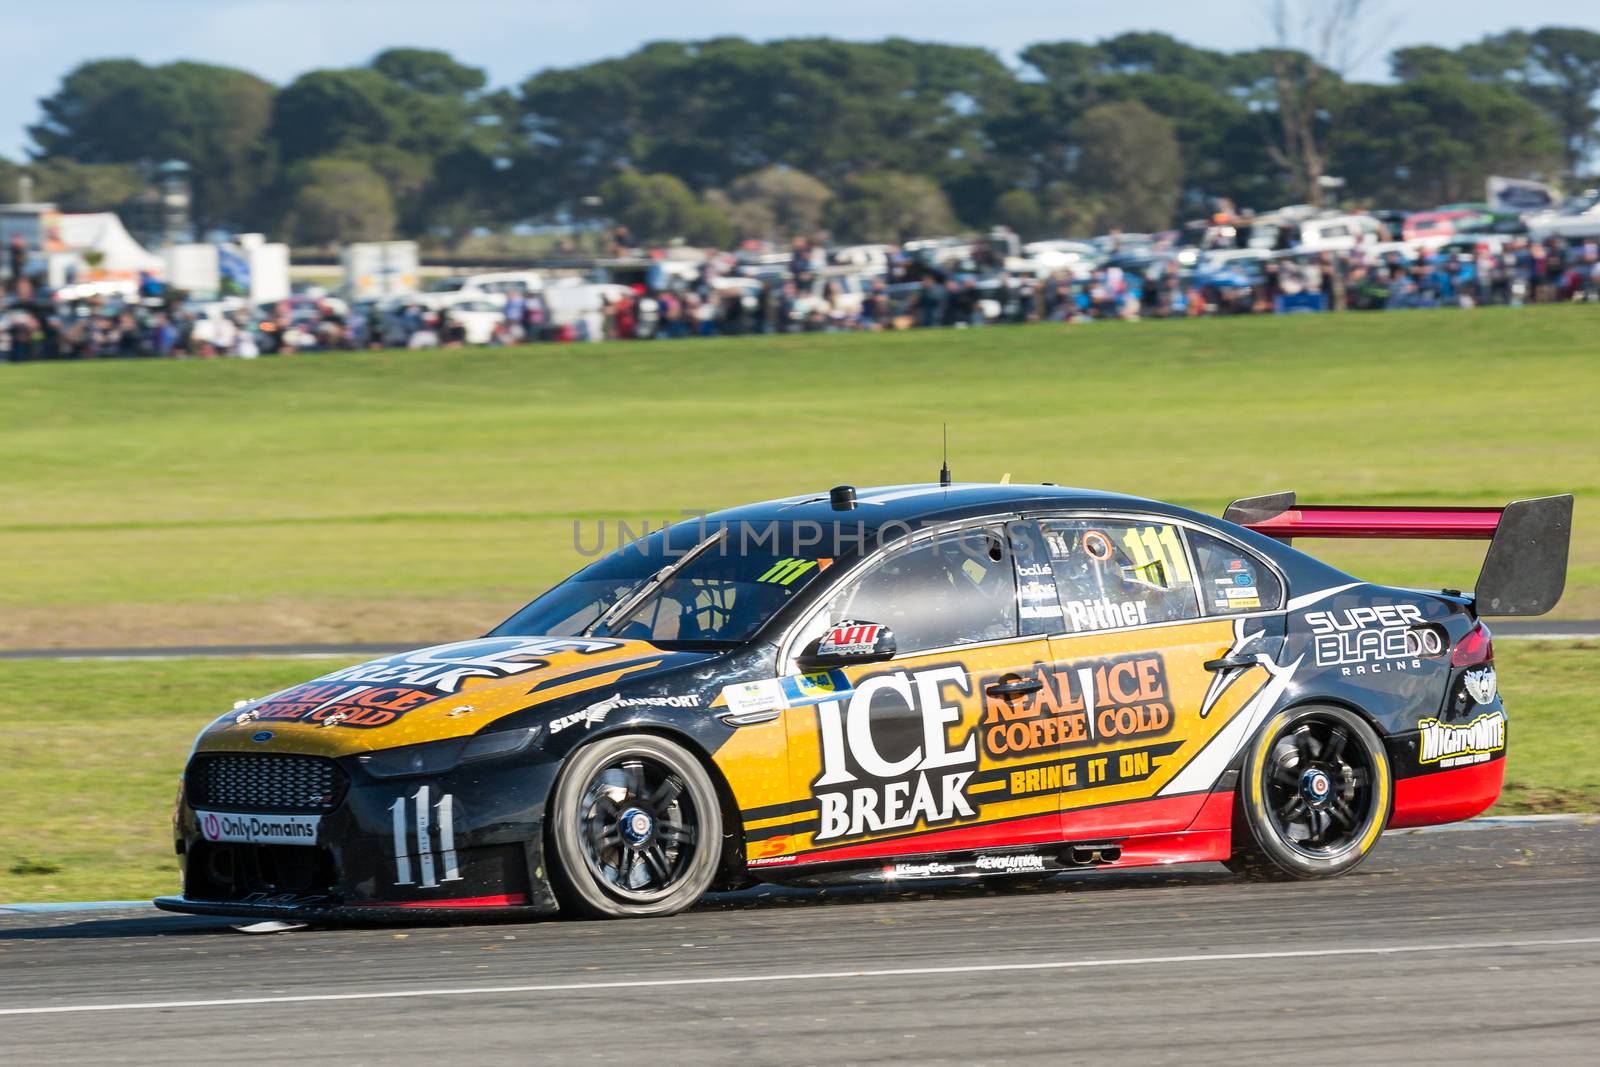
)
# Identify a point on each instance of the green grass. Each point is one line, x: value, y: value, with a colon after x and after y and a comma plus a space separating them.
x: 93, y: 751
x: 399, y: 496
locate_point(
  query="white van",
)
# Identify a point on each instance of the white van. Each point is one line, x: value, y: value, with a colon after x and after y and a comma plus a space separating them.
x: 1341, y: 233
x: 504, y: 282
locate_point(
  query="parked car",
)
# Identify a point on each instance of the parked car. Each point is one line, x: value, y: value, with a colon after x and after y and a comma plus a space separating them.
x: 1579, y: 218
x: 1430, y: 229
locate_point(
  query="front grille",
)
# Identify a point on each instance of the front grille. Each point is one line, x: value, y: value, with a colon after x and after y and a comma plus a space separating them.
x: 242, y: 782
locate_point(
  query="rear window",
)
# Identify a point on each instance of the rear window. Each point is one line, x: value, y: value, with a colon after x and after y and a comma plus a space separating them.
x: 1233, y: 581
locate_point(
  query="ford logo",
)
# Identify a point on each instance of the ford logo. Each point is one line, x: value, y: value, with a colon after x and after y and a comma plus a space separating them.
x: 263, y: 735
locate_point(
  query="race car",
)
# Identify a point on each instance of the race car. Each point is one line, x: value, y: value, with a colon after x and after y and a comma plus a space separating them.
x: 888, y: 685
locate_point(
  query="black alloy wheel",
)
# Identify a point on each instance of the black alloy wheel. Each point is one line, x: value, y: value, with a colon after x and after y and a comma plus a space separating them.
x: 1315, y: 794
x: 636, y: 827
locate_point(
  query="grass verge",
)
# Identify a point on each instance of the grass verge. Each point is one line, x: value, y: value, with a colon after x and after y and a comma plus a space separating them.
x: 411, y: 496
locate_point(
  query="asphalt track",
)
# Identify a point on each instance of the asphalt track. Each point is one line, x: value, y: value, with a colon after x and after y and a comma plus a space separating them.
x: 1542, y: 629
x: 1481, y: 945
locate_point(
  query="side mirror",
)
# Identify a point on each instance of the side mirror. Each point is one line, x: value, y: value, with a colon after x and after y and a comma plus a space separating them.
x: 848, y: 643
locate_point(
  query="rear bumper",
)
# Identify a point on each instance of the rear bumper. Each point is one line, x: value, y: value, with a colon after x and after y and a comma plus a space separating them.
x: 1447, y: 796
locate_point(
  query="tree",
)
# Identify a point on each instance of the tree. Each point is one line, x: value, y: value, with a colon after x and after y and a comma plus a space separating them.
x: 213, y: 118
x: 658, y: 208
x: 712, y: 111
x: 1218, y: 103
x: 1565, y: 81
x: 1318, y: 41
x: 1019, y: 209
x: 78, y: 186
x: 335, y: 201
x: 1436, y: 140
x: 888, y: 206
x: 425, y: 70
x: 421, y: 121
x: 775, y: 203
x: 1128, y: 167
x: 1556, y: 68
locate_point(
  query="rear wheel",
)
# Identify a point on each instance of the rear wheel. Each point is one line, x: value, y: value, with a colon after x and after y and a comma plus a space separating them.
x: 636, y: 827
x: 1315, y: 794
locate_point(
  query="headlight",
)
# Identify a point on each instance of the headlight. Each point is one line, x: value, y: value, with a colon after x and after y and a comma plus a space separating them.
x: 440, y: 757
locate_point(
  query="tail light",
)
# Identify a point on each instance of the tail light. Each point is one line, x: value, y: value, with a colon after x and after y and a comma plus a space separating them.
x: 1475, y: 648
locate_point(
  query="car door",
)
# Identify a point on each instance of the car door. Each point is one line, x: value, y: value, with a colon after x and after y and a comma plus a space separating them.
x: 900, y: 764
x: 1134, y: 661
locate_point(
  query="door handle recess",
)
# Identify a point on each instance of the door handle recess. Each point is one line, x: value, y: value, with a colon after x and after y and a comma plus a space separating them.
x: 1014, y: 687
x: 1231, y: 663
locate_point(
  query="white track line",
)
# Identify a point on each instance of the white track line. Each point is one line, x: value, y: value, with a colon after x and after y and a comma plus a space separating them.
x: 815, y: 976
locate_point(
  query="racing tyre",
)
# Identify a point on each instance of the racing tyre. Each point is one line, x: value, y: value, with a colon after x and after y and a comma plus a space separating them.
x: 636, y: 828
x: 1314, y: 794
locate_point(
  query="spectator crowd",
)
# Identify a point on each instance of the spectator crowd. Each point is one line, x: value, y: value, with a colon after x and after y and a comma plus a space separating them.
x: 946, y: 284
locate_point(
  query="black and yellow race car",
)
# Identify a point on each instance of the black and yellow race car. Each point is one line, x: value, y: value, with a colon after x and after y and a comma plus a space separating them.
x: 896, y: 684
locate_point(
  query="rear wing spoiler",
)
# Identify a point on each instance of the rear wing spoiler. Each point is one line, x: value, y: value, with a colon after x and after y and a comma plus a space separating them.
x: 1523, y: 572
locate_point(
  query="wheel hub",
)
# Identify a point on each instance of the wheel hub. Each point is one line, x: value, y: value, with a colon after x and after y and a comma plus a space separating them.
x: 637, y: 826
x: 1316, y: 787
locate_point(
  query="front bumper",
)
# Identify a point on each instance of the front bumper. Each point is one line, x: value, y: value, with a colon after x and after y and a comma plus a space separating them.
x: 465, y: 844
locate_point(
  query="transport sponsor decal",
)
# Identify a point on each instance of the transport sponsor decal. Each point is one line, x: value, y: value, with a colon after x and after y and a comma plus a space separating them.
x: 592, y: 715
x: 596, y: 713
x: 1463, y: 745
x: 222, y: 826
x: 1078, y: 704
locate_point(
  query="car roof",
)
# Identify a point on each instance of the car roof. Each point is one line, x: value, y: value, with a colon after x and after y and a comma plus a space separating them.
x: 930, y: 503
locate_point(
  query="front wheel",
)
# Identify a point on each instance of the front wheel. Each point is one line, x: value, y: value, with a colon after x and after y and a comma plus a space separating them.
x: 636, y: 827
x: 1315, y: 794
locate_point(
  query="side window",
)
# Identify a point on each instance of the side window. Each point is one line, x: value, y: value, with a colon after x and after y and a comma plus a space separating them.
x: 1233, y: 580
x: 950, y: 590
x: 1112, y: 573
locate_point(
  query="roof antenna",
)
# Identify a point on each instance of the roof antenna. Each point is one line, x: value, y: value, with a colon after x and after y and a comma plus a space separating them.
x: 944, y: 469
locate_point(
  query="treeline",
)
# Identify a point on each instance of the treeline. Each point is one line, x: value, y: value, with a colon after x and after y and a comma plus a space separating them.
x: 726, y: 138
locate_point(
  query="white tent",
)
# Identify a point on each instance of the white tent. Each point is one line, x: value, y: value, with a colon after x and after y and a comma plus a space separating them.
x: 104, y: 233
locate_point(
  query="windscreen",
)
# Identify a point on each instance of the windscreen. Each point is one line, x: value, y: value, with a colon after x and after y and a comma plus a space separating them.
x: 708, y: 594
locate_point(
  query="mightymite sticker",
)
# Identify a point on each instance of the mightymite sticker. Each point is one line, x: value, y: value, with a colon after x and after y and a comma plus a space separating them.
x: 1459, y: 746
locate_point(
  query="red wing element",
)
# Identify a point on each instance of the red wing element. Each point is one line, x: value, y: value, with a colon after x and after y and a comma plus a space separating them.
x: 1325, y: 520
x: 1523, y: 572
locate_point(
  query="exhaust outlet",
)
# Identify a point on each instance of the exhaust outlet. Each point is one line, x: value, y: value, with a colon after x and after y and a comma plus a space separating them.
x: 1093, y: 855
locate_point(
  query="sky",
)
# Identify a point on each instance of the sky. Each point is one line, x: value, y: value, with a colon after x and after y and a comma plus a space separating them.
x: 278, y: 39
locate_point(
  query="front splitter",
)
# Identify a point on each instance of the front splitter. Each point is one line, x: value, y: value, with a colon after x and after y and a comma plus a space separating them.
x: 355, y: 914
